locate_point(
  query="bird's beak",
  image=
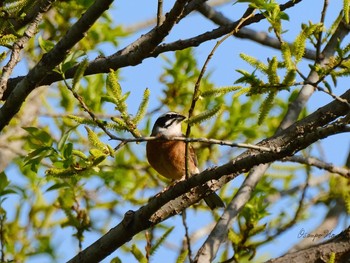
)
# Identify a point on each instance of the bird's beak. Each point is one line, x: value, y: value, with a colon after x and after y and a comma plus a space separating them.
x: 180, y: 118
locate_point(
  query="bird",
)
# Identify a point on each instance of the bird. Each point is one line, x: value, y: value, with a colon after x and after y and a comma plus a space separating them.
x: 167, y: 157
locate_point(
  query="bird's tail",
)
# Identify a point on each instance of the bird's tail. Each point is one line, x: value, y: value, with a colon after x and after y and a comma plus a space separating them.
x: 214, y: 201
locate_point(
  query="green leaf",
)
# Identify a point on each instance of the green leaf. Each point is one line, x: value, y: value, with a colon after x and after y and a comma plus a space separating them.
x: 266, y: 106
x: 205, y: 115
x: 4, y: 182
x: 346, y: 4
x: 220, y: 91
x: 57, y: 186
x: 45, y: 45
x: 79, y: 73
x: 138, y: 254
x: 67, y: 151
x: 71, y: 60
x: 143, y: 107
x: 39, y: 135
x: 61, y: 143
x: 161, y: 240
x: 38, y: 154
x: 94, y: 139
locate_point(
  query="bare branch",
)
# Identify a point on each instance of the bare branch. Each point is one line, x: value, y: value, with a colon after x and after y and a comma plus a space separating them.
x: 187, y: 236
x: 333, y: 95
x: 319, y: 41
x: 319, y: 164
x: 200, y: 140
x: 339, y: 246
x: 153, y: 21
x: 330, y: 221
x: 160, y: 13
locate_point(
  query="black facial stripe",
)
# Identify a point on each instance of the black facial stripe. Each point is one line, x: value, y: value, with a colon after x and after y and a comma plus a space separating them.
x: 170, y: 123
x: 162, y: 121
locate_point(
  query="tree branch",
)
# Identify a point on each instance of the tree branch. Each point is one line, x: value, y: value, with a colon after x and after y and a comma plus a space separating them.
x: 339, y: 246
x: 185, y: 193
x: 20, y: 43
x: 319, y: 164
x: 50, y: 60
x: 246, y: 33
x: 140, y: 49
x: 210, y: 247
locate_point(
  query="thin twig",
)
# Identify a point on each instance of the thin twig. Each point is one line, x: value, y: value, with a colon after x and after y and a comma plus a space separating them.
x: 190, y: 140
x: 319, y: 40
x: 246, y: 33
x: 187, y: 236
x: 159, y: 13
x: 90, y: 112
x: 312, y: 161
x: 2, y: 236
x: 333, y: 95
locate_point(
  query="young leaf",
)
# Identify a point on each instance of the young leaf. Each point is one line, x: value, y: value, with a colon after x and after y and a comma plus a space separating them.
x: 182, y: 257
x: 287, y: 56
x: 62, y: 173
x: 94, y: 140
x: 272, y: 71
x: 346, y: 4
x: 161, y: 240
x: 254, y: 62
x: 45, y: 45
x: 138, y: 254
x: 79, y: 73
x: 266, y: 106
x: 143, y: 107
x: 205, y: 115
x: 219, y: 91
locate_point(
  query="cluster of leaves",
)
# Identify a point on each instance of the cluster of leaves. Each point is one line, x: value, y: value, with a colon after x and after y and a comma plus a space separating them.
x: 291, y: 57
x: 12, y: 13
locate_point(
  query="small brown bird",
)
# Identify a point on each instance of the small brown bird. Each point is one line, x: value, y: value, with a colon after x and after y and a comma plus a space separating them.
x: 168, y: 157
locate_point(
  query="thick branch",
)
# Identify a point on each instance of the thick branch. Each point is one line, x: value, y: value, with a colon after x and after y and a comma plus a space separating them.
x: 185, y: 193
x: 50, y: 60
x: 339, y: 246
x: 20, y: 43
x: 137, y: 51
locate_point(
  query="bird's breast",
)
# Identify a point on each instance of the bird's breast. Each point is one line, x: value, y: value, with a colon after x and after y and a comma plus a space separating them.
x: 168, y: 158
